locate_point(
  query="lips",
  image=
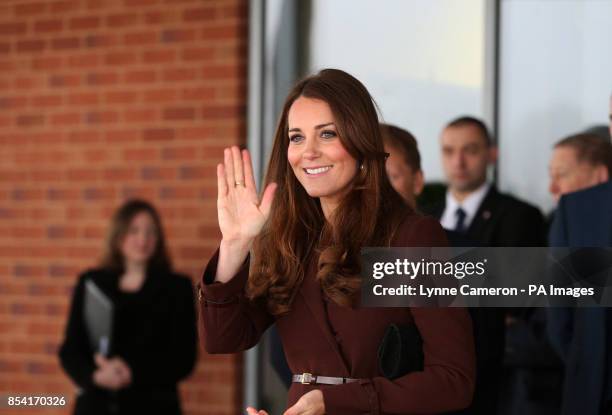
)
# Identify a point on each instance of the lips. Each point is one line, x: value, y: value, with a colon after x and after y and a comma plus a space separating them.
x: 317, y: 170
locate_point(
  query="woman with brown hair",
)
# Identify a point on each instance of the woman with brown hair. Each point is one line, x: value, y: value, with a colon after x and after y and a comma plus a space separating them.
x: 292, y: 258
x: 153, y: 337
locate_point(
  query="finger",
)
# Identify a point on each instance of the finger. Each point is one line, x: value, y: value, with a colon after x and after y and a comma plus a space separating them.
x: 238, y: 172
x: 229, y: 167
x: 100, y: 360
x: 251, y: 410
x: 266, y: 200
x: 262, y: 412
x: 247, y: 165
x: 221, y: 182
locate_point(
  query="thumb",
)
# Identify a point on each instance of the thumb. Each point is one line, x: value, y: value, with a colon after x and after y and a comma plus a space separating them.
x: 291, y: 411
x: 267, y: 198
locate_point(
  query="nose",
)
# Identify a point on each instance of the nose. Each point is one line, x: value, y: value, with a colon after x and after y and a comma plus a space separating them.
x: 311, y: 148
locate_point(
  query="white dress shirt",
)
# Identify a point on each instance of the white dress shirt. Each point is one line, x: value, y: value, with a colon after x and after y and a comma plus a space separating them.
x: 469, y: 205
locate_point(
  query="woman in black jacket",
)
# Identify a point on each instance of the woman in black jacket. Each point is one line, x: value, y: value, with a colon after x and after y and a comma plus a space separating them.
x: 153, y: 338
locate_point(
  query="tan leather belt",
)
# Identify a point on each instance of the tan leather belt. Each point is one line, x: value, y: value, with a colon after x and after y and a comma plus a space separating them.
x: 310, y: 379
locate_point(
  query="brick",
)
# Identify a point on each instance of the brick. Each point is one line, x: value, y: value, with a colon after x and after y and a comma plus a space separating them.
x: 13, y: 28
x: 179, y: 153
x: 30, y: 9
x: 180, y: 74
x: 84, y: 137
x: 66, y: 118
x: 159, y: 56
x: 141, y: 154
x: 179, y: 113
x: 198, y: 93
x: 65, y: 80
x: 121, y: 136
x: 61, y: 232
x: 65, y: 6
x: 119, y: 174
x: 102, y: 78
x: 14, y: 102
x: 82, y: 174
x: 178, y: 35
x: 66, y: 43
x: 140, y: 3
x: 47, y: 63
x: 85, y: 23
x: 101, y: 40
x: 199, y: 14
x: 161, y: 95
x: 35, y: 45
x: 99, y: 193
x: 121, y: 97
x: 44, y: 26
x: 222, y: 111
x: 157, y: 173
x: 120, y: 58
x: 140, y: 38
x: 161, y: 17
x: 144, y: 115
x: 101, y: 117
x: 31, y: 120
x: 140, y: 77
x: 156, y: 134
x: 121, y: 20
x: 84, y: 60
x: 197, y: 54
x: 83, y: 98
x: 46, y: 101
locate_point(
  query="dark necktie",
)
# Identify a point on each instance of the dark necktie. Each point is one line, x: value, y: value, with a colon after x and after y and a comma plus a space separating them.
x: 460, y: 224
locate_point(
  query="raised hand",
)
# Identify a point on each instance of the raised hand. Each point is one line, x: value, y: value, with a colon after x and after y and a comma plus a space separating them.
x: 241, y: 214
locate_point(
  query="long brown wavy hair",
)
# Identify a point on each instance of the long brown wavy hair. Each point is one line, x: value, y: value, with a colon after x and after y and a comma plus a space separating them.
x: 367, y: 216
x: 113, y: 257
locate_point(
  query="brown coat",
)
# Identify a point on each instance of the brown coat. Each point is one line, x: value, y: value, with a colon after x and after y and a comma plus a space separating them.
x: 323, y: 338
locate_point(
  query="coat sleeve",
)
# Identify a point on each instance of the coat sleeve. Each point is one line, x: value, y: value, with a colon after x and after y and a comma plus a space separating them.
x: 229, y: 322
x: 76, y: 356
x: 447, y: 381
x: 181, y: 345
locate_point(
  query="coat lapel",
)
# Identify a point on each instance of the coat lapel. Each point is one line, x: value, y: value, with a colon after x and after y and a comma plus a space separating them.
x: 479, y: 227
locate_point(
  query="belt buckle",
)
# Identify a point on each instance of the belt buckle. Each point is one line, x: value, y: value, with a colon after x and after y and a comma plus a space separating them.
x: 307, y: 378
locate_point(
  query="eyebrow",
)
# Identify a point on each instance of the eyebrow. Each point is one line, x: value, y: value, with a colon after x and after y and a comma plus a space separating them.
x: 317, y: 127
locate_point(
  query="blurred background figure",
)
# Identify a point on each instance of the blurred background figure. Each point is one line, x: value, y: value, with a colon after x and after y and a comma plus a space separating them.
x: 153, y: 340
x: 579, y: 161
x: 404, y: 163
x: 476, y: 214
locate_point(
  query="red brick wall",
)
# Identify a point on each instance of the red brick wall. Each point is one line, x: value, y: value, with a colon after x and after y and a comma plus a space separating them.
x: 101, y: 100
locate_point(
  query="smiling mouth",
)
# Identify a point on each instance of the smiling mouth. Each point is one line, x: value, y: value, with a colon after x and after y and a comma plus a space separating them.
x: 318, y: 170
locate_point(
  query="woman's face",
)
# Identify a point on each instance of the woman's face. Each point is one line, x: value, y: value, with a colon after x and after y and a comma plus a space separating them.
x: 319, y: 161
x: 140, y: 240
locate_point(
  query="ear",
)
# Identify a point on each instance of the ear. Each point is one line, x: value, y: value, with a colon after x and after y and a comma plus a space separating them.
x: 419, y: 182
x: 602, y: 175
x: 493, y: 153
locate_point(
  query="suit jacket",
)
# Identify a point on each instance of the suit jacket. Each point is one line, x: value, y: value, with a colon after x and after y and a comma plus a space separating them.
x: 323, y: 338
x: 154, y: 331
x: 582, y: 335
x: 501, y: 220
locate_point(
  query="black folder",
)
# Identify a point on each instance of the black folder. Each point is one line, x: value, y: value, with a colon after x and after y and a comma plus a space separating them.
x: 98, y: 316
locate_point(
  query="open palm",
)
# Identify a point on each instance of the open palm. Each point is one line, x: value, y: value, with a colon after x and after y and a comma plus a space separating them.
x: 241, y: 214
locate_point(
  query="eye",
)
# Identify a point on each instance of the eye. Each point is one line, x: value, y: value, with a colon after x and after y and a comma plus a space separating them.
x: 295, y: 138
x: 328, y: 134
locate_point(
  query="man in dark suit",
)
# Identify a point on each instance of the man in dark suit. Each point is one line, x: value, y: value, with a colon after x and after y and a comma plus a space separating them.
x: 478, y: 212
x: 583, y: 336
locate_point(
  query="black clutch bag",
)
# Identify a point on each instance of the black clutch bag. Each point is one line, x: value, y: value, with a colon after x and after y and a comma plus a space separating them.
x: 401, y: 351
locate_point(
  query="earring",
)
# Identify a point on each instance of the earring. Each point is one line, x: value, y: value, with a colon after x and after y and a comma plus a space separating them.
x: 361, y: 166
